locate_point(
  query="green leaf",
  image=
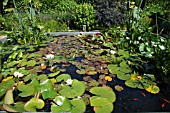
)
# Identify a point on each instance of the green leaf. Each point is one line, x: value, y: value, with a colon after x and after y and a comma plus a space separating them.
x: 62, y: 104
x: 34, y: 55
x: 47, y: 89
x: 9, y: 97
x: 104, y: 92
x: 31, y: 63
x: 123, y: 76
x: 78, y: 106
x: 54, y: 74
x: 42, y: 77
x: 77, y: 89
x: 28, y: 89
x: 5, y: 85
x: 64, y: 77
x: 136, y: 84
x: 33, y: 104
x: 11, y: 64
x: 103, y: 104
x: 29, y: 77
x: 19, y: 106
x: 113, y: 69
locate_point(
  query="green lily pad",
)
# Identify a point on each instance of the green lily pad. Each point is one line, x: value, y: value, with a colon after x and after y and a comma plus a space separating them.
x: 9, y: 97
x: 19, y: 106
x: 47, y: 89
x: 103, y: 104
x: 136, y: 84
x: 29, y: 89
x: 54, y: 74
x: 81, y: 71
x: 123, y: 76
x: 33, y: 104
x: 78, y: 106
x: 104, y: 92
x: 5, y: 85
x: 77, y: 89
x: 113, y: 69
x: 62, y: 104
x: 64, y: 77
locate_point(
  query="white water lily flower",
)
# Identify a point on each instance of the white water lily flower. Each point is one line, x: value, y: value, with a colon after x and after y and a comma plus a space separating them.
x: 162, y: 47
x: 18, y: 74
x: 69, y: 81
x: 113, y: 52
x: 79, y: 97
x: 49, y: 56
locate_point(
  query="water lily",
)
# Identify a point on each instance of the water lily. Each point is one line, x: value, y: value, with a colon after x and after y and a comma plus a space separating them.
x: 18, y: 74
x: 69, y: 81
x: 113, y: 52
x: 49, y: 56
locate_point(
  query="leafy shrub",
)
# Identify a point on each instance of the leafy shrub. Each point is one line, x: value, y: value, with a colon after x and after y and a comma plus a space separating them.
x: 109, y: 12
x: 1, y: 21
x: 64, y: 10
x: 84, y: 15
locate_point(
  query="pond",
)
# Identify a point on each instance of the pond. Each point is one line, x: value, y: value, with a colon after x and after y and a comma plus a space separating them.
x: 87, y: 61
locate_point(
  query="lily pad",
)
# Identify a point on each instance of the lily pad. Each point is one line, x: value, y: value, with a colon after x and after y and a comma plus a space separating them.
x: 54, y: 74
x: 153, y: 89
x: 29, y: 89
x: 104, y: 92
x: 78, y: 106
x: 103, y: 105
x: 33, y: 104
x: 77, y: 89
x: 62, y: 104
x: 137, y: 84
x: 47, y: 89
x: 64, y: 77
x: 9, y: 97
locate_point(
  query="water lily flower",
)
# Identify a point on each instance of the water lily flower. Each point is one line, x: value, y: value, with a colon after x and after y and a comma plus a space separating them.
x: 18, y: 74
x: 69, y: 81
x: 113, y: 52
x: 49, y: 56
x: 79, y: 97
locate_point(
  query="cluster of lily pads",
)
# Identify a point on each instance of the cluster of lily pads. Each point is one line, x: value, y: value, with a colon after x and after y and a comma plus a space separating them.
x: 38, y: 81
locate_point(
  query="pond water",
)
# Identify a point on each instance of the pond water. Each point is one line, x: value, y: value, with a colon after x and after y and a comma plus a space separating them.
x: 127, y: 100
x: 86, y: 60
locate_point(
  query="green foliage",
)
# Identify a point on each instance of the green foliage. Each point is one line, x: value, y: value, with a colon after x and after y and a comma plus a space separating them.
x: 33, y: 104
x: 77, y: 89
x: 104, y: 92
x: 103, y: 105
x: 5, y: 85
x: 28, y: 89
x: 47, y: 89
x: 62, y: 104
x: 78, y: 106
x: 104, y: 99
x: 84, y: 15
x: 64, y: 77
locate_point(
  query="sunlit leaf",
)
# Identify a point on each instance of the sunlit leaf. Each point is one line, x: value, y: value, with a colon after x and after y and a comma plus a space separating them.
x: 78, y: 106
x: 104, y: 92
x: 9, y: 97
x: 47, y: 89
x: 64, y: 77
x: 62, y: 104
x: 33, y: 104
x: 29, y: 89
x: 103, y: 104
